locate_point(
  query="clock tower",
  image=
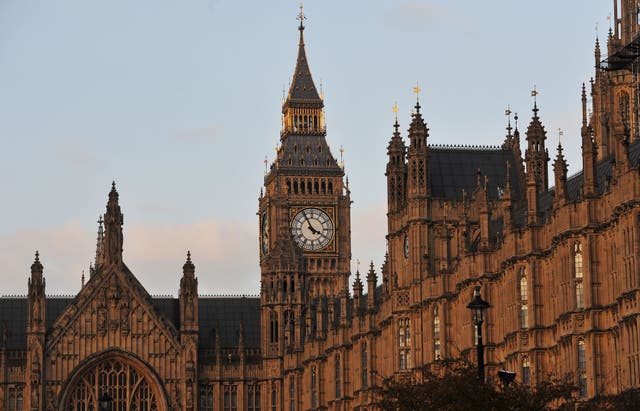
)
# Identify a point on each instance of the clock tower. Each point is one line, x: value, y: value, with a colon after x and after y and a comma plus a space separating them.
x: 304, y: 222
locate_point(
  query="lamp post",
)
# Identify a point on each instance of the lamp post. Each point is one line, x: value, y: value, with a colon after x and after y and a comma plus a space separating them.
x: 477, y: 307
x: 104, y: 402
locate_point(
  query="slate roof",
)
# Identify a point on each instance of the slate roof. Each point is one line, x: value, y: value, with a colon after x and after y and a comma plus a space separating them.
x: 302, y: 87
x: 452, y: 169
x: 294, y: 147
x: 604, y: 170
x: 217, y: 314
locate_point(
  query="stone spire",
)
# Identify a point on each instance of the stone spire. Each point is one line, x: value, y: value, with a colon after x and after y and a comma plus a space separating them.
x: 372, y: 279
x: 396, y: 169
x: 357, y: 293
x: 589, y: 152
x: 99, y: 244
x: 113, y: 220
x: 560, y: 172
x: 36, y: 320
x: 302, y: 109
x: 536, y: 155
x: 188, y: 299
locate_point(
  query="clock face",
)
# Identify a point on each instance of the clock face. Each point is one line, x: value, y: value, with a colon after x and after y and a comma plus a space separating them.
x: 264, y: 234
x: 312, y: 229
x: 406, y: 246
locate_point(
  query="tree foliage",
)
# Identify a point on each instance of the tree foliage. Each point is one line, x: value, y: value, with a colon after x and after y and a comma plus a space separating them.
x: 456, y: 388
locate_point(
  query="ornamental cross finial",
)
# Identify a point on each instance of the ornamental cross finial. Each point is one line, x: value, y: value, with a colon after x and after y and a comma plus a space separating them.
x: 301, y: 16
x: 395, y: 111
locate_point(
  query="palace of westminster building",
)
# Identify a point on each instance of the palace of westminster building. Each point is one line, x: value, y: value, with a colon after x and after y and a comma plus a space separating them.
x: 560, y: 267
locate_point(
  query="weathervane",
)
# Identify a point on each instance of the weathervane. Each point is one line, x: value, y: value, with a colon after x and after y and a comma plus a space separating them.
x: 416, y: 90
x: 507, y: 113
x: 560, y: 134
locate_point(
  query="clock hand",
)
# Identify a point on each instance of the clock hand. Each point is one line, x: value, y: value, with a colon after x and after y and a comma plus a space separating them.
x: 311, y: 228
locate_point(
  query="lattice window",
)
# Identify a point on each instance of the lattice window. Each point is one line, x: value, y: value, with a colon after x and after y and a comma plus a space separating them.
x: 206, y: 398
x: 15, y: 398
x: 338, y: 375
x: 230, y: 398
x: 526, y: 371
x: 421, y: 172
x: 128, y: 389
x: 404, y: 343
x: 364, y: 365
x: 524, y: 299
x: 436, y: 334
x: 314, y: 387
x: 292, y: 393
x: 578, y: 273
x: 253, y: 400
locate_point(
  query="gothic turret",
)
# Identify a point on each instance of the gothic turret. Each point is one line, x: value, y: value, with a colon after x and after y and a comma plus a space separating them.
x: 188, y: 298
x: 417, y: 155
x: 560, y: 173
x: 396, y: 171
x: 113, y: 220
x: 35, y: 336
x: 589, y: 152
x: 536, y: 155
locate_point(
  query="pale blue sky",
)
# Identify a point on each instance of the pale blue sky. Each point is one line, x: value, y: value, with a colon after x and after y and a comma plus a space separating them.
x: 179, y: 102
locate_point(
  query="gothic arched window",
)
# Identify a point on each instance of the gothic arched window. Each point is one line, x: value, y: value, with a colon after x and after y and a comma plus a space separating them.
x: 338, y: 376
x: 125, y: 384
x: 404, y: 343
x: 578, y: 274
x: 524, y: 299
x: 526, y: 371
x: 436, y: 334
x: 314, y: 387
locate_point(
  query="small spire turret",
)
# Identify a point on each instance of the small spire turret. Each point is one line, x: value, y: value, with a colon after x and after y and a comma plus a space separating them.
x: 113, y: 220
x: 560, y: 171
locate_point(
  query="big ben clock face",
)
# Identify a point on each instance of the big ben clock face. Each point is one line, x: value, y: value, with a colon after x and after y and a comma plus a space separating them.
x: 312, y: 229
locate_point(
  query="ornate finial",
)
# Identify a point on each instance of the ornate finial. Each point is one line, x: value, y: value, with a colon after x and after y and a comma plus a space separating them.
x: 515, y: 117
x: 507, y: 113
x: 113, y: 221
x: 36, y: 267
x: 609, y: 20
x: 357, y: 265
x: 395, y: 111
x: 301, y: 17
x: 188, y: 267
x: 478, y: 175
x: 82, y: 280
x: 560, y: 134
x: 341, y: 157
x: 417, y: 90
x: 265, y: 164
x: 321, y: 91
x: 534, y: 94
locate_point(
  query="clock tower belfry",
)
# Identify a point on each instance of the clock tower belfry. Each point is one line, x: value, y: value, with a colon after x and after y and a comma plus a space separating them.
x: 304, y: 223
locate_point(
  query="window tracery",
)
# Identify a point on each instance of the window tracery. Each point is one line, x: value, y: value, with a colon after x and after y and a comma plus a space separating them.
x: 128, y: 389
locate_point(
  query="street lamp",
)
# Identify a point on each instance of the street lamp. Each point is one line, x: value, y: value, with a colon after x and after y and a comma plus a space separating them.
x: 104, y: 402
x: 477, y: 307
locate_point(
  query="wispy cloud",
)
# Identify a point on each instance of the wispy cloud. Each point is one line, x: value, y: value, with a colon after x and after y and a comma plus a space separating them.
x: 225, y: 254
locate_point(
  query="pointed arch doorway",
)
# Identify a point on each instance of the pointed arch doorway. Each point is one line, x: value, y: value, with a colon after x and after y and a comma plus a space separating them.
x: 118, y: 378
